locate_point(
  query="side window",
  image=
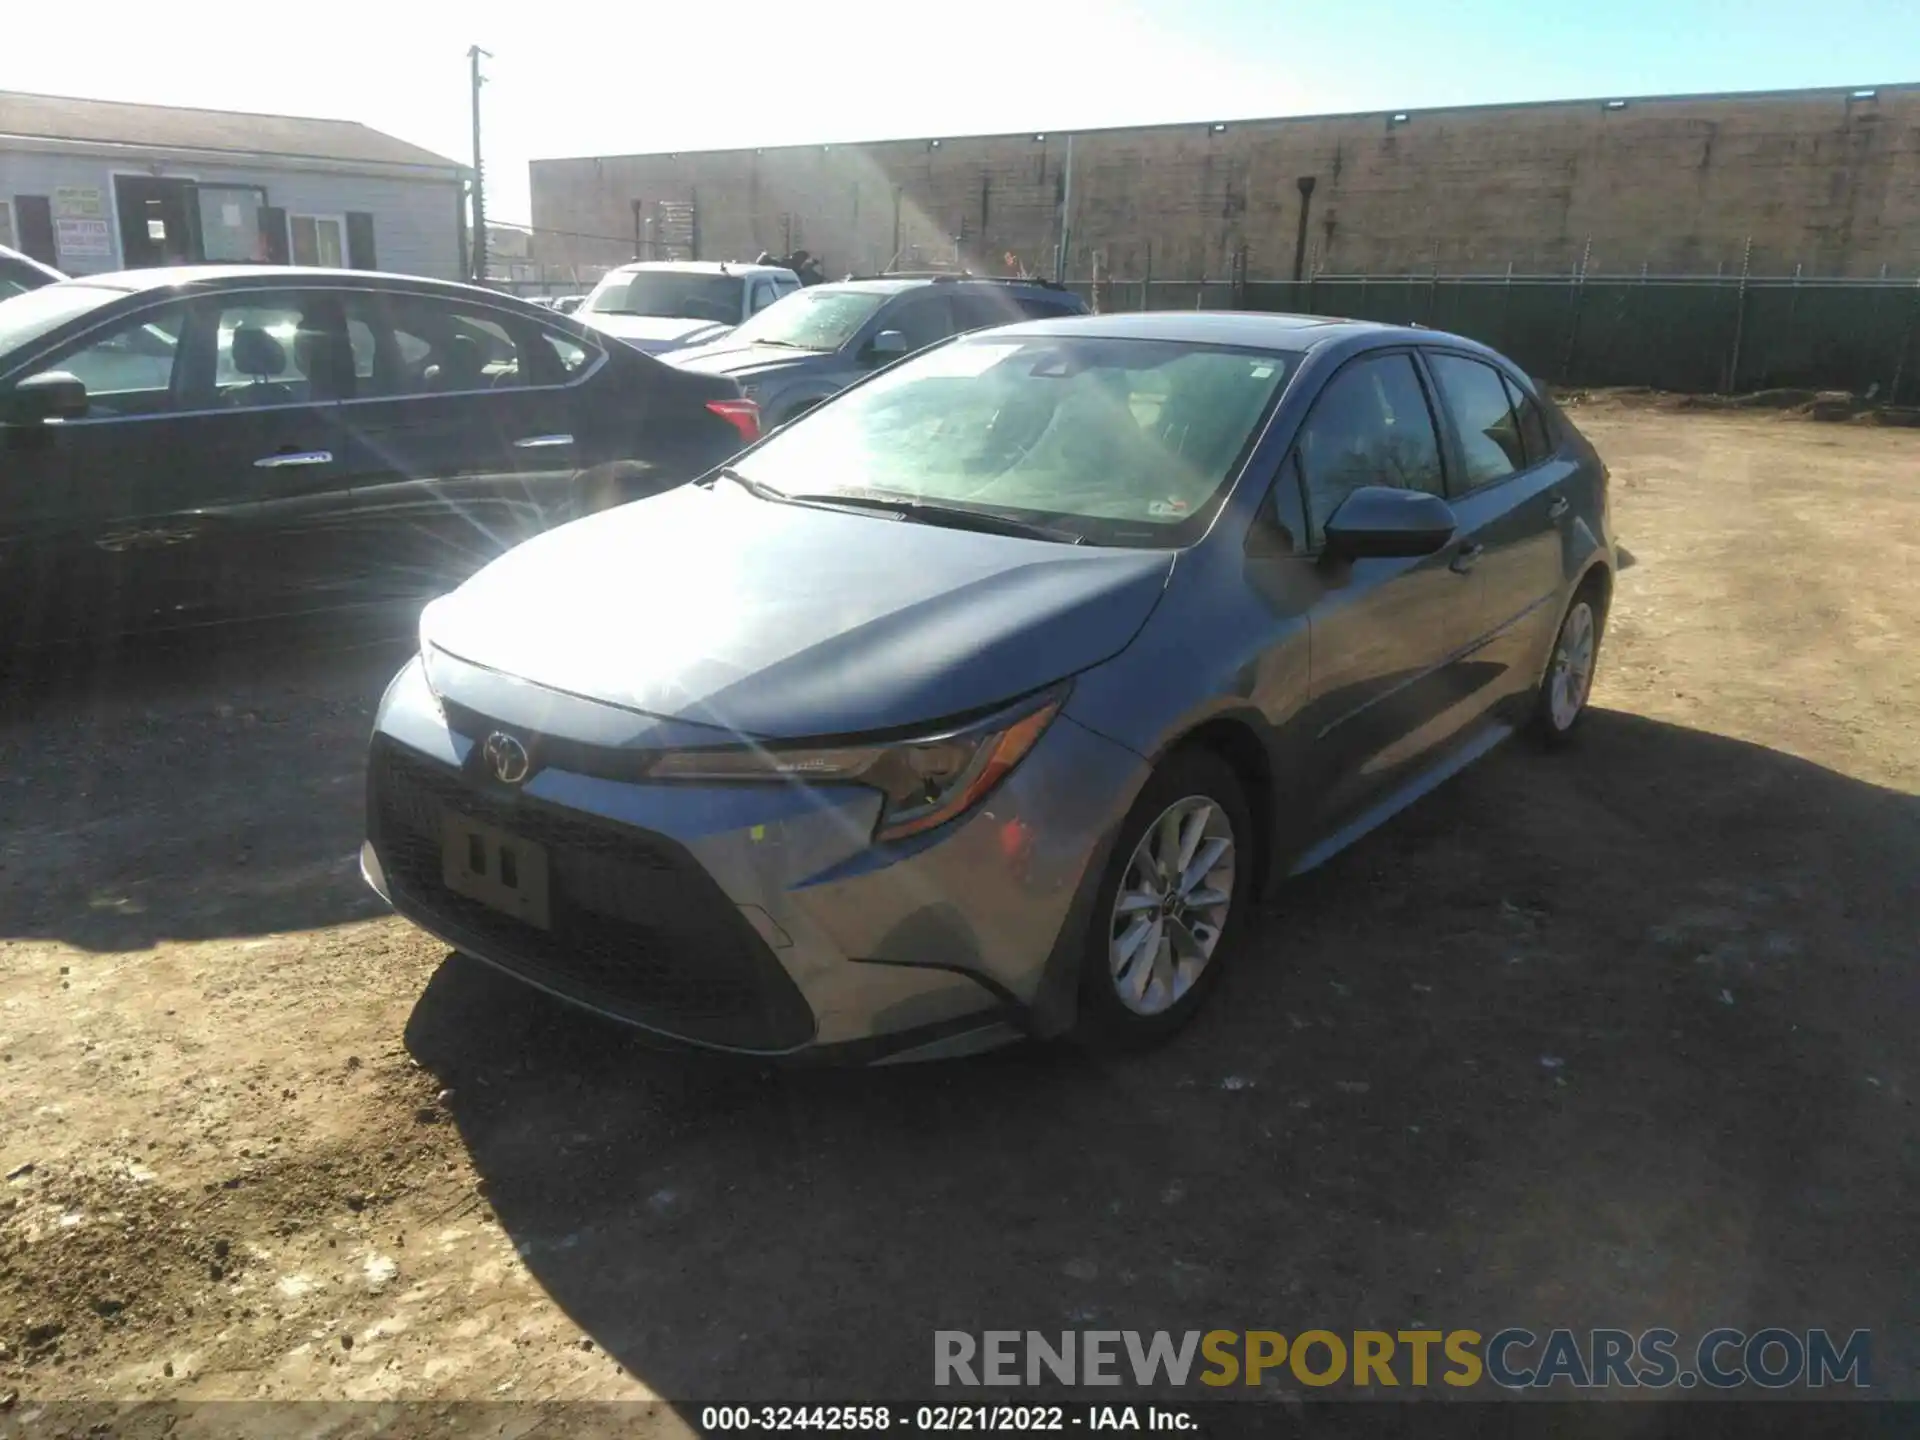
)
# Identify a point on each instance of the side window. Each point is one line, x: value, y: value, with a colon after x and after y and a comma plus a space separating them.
x: 1476, y: 399
x: 763, y: 295
x: 1370, y: 426
x: 132, y: 370
x: 412, y: 345
x: 975, y: 310
x: 571, y: 356
x: 1534, y: 433
x: 274, y: 349
x: 923, y: 319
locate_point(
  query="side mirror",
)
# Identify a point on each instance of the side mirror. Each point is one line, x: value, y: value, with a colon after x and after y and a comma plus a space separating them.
x: 887, y: 345
x: 53, y: 395
x: 1377, y: 521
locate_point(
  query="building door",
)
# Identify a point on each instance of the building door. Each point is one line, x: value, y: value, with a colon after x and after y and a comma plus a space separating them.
x: 159, y: 221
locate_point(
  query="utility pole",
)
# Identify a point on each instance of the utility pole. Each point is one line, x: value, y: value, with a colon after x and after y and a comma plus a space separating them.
x: 474, y: 55
x: 1060, y: 254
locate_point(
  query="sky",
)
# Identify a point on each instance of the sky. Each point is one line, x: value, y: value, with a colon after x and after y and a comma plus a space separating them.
x: 601, y: 77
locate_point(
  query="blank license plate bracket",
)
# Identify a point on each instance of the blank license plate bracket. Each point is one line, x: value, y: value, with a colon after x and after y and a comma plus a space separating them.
x: 500, y: 870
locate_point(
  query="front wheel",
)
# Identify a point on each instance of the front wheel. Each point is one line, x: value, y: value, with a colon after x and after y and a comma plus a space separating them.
x: 1562, y: 702
x: 1171, y: 906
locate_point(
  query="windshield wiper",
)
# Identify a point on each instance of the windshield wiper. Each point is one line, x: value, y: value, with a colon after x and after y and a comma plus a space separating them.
x: 952, y: 517
x: 784, y: 344
x: 753, y: 487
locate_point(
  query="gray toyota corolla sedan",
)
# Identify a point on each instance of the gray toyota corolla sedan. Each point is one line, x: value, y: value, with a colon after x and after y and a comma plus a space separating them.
x: 981, y: 701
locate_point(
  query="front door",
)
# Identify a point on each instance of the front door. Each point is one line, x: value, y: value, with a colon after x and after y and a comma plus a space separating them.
x: 159, y: 221
x: 90, y: 526
x: 1382, y: 631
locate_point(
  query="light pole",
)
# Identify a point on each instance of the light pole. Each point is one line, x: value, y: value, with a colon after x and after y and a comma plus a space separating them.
x: 474, y: 56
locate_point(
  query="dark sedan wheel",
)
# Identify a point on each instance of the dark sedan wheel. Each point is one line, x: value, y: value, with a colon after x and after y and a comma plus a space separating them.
x: 1562, y: 702
x: 1171, y: 906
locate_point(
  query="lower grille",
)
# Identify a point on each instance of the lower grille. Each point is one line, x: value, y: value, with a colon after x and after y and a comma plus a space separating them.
x: 640, y: 929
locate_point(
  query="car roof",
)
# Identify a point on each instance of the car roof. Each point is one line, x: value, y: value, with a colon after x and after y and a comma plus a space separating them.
x: 21, y: 258
x: 1222, y: 327
x: 240, y: 277
x: 701, y: 267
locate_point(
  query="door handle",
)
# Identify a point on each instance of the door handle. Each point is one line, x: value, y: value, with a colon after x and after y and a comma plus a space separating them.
x: 1464, y: 557
x: 1559, y: 507
x: 299, y: 457
x: 542, y: 442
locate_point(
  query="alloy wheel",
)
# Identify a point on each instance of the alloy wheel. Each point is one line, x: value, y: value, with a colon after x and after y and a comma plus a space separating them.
x: 1571, y: 674
x: 1172, y: 905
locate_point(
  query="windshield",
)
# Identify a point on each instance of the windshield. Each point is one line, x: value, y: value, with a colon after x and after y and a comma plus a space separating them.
x: 1127, y: 442
x: 668, y: 293
x: 24, y: 318
x: 817, y: 319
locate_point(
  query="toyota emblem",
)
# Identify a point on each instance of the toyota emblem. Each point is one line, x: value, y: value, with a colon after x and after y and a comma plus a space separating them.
x: 507, y: 758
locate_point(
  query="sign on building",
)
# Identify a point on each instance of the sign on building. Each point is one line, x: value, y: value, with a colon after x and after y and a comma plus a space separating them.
x: 82, y: 244
x: 79, y: 202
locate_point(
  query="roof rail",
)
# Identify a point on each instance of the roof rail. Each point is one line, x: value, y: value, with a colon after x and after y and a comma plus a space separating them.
x: 951, y: 277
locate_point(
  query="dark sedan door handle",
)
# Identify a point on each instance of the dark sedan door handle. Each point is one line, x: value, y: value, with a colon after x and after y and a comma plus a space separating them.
x: 1559, y: 507
x: 297, y: 457
x: 1464, y: 557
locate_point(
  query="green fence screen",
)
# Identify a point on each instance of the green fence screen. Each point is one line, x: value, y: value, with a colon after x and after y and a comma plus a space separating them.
x: 1690, y: 334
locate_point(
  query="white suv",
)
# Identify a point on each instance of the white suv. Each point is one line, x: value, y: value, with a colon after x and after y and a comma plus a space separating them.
x: 660, y: 305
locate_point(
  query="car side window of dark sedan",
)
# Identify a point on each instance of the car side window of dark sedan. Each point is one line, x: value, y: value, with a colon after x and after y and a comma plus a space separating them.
x: 407, y: 344
x: 275, y: 349
x: 133, y: 368
x: 1371, y: 425
x: 1475, y: 397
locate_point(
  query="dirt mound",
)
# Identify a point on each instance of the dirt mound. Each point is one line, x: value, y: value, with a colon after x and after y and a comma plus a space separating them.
x: 86, y: 1254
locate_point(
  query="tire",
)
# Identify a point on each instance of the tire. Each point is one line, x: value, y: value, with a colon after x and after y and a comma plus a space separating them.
x: 1565, y: 688
x: 1122, y: 1007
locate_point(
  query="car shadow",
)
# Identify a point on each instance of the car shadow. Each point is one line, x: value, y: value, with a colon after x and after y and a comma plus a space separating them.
x: 201, y: 786
x: 1604, y: 1038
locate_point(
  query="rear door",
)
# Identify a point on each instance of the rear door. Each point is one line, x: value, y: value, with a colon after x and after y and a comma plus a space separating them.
x: 1509, y: 494
x: 459, y: 437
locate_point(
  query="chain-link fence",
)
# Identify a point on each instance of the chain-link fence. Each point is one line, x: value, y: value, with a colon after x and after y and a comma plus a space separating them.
x: 1704, y: 334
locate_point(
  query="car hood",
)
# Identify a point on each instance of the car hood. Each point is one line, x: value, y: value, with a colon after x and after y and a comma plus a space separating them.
x: 654, y: 333
x: 710, y: 607
x: 748, y: 362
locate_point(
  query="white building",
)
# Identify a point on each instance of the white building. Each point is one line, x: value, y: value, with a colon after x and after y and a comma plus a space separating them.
x: 96, y: 185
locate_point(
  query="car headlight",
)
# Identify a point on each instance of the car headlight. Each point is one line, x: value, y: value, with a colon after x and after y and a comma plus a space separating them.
x: 926, y: 782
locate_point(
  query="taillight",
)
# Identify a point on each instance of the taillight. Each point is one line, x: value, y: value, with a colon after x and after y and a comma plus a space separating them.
x: 743, y: 415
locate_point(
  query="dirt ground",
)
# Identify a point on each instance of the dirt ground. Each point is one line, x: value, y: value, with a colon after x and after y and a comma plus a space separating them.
x: 1620, y: 1037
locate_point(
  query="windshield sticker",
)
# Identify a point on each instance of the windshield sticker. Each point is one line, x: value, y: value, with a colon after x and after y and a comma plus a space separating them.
x: 1167, y: 509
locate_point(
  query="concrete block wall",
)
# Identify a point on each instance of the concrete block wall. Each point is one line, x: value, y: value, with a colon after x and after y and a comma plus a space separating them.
x: 1826, y: 179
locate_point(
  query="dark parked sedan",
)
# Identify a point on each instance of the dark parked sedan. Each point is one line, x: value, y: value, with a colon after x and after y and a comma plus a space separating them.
x: 997, y: 686
x: 180, y: 446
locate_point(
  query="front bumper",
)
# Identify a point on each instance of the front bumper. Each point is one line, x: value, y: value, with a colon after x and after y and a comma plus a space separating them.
x: 760, y: 918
